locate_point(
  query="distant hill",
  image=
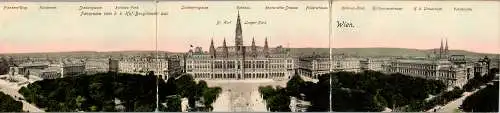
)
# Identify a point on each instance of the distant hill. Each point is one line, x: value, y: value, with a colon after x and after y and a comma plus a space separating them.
x: 383, y: 52
x: 363, y: 52
x: 87, y: 53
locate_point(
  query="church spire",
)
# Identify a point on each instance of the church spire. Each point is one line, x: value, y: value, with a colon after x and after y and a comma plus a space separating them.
x: 266, y: 48
x: 238, y: 36
x: 446, y: 47
x: 254, y: 48
x: 253, y: 41
x: 212, y: 48
x: 224, y: 47
x: 441, y: 49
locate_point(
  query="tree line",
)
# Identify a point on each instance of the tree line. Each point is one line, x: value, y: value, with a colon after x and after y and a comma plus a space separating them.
x: 354, y: 92
x: 448, y: 96
x: 111, y: 92
x: 8, y: 104
x: 4, y: 65
x: 485, y: 100
x: 370, y: 91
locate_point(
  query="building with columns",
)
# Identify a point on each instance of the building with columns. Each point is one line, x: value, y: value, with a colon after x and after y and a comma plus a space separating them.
x: 141, y: 65
x: 239, y: 61
x: 72, y: 68
x: 452, y: 70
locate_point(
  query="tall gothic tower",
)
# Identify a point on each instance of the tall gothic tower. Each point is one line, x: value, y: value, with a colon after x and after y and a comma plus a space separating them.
x: 225, y: 51
x: 446, y: 51
x: 254, y: 48
x: 441, y: 50
x: 238, y: 36
x: 266, y: 48
x: 212, y: 49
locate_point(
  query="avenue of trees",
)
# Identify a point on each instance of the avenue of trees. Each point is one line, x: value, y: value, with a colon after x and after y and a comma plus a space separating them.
x: 114, y: 92
x: 485, y: 100
x: 8, y: 104
x: 375, y: 91
x: 361, y: 92
x: 442, y: 99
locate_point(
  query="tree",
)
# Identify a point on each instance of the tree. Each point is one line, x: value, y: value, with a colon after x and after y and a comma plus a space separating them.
x: 210, y: 95
x: 8, y: 104
x: 279, y: 102
x: 4, y: 66
x: 266, y: 91
x: 369, y: 91
x: 187, y: 84
x: 485, y: 100
x: 172, y: 104
x: 200, y: 88
x: 80, y: 101
x: 293, y: 86
x: 93, y: 108
x: 379, y: 100
x: 93, y: 93
x: 167, y: 89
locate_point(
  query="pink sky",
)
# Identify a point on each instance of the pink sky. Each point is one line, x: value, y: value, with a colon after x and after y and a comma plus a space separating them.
x: 65, y: 30
x: 476, y: 30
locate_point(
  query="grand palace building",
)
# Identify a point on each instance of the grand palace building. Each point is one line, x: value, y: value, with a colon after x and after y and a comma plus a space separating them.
x: 453, y: 70
x: 239, y: 61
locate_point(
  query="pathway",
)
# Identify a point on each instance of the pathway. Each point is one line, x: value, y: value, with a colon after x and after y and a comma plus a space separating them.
x: 241, y: 95
x: 11, y: 89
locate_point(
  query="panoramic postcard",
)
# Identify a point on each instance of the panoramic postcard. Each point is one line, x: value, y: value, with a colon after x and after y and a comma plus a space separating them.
x: 249, y: 56
x: 432, y: 56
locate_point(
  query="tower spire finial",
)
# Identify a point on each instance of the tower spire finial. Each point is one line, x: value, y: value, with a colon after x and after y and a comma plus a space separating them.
x: 212, y: 48
x: 211, y: 41
x: 225, y: 51
x: 446, y: 46
x: 238, y: 37
x: 254, y: 47
x: 441, y: 42
x: 441, y: 47
x: 224, y: 42
x: 266, y: 48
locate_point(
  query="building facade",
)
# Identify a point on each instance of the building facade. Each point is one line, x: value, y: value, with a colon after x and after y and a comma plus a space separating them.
x: 320, y: 65
x: 239, y: 61
x: 452, y: 70
x: 142, y: 65
x: 72, y: 68
x: 96, y: 65
x: 113, y: 65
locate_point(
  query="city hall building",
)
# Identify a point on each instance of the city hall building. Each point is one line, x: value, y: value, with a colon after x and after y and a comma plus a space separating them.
x: 239, y: 61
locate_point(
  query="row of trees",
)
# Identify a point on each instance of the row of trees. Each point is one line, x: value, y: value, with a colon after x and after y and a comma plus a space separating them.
x: 8, y: 104
x: 442, y: 99
x: 376, y: 90
x: 457, y: 92
x: 112, y: 92
x: 365, y: 91
x: 479, y: 80
x: 485, y: 100
x: 185, y: 86
x: 99, y: 92
x: 277, y: 99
